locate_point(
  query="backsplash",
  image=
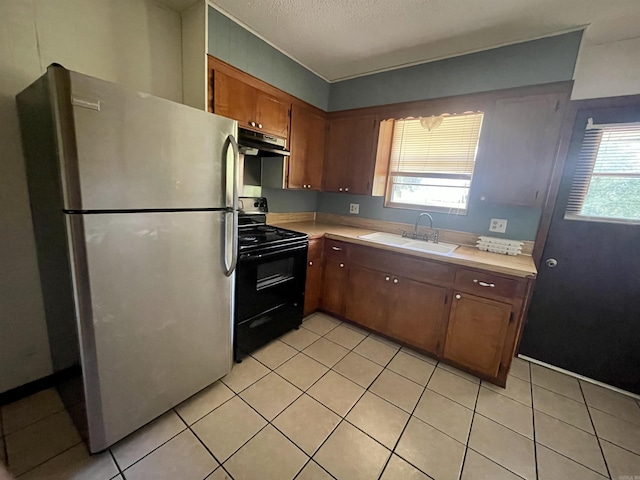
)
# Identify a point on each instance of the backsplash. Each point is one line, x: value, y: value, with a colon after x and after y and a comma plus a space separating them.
x: 522, y: 222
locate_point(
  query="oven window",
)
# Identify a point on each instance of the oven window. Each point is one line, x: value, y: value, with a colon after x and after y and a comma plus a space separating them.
x: 275, y: 272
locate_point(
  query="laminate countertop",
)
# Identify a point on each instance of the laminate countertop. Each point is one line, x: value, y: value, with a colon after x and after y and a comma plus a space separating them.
x: 518, y: 266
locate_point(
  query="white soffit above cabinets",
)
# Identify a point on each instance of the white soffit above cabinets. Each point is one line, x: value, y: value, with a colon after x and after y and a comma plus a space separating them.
x: 340, y: 39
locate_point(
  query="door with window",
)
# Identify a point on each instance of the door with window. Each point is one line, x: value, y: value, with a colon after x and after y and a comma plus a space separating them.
x: 585, y: 311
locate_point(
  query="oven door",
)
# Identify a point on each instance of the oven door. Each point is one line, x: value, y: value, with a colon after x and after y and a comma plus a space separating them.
x: 270, y: 278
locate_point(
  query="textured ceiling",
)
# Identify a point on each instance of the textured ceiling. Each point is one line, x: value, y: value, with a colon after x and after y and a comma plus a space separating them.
x: 344, y: 38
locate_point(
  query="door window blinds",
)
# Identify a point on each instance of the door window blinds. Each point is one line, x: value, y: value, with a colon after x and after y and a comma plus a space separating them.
x: 606, y: 184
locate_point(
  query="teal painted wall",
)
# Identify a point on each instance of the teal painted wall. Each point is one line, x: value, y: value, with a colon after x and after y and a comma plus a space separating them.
x: 540, y: 61
x: 522, y: 222
x: 231, y: 43
x: 280, y: 200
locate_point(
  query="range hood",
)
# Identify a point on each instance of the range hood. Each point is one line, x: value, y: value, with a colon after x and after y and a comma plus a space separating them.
x: 259, y: 144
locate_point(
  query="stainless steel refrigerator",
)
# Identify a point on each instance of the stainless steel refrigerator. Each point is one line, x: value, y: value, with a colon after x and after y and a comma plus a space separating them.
x: 134, y: 205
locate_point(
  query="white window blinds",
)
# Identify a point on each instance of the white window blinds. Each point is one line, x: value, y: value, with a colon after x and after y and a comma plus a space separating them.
x: 448, y: 149
x: 606, y: 184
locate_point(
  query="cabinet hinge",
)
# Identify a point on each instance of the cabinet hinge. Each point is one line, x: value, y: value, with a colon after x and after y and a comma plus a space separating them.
x: 557, y: 105
x: 537, y: 192
x: 512, y: 318
x: 368, y: 183
x: 446, y: 298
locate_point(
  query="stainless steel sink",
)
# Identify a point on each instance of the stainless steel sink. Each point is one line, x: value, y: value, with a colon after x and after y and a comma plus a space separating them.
x: 409, y: 243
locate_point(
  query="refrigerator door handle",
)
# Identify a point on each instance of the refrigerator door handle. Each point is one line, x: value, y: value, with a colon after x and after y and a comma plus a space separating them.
x: 229, y: 268
x: 236, y: 165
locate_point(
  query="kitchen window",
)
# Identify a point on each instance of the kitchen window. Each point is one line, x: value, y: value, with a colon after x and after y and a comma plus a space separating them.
x: 432, y: 160
x: 606, y: 184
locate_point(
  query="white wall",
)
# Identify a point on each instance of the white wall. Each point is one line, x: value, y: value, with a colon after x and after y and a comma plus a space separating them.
x: 133, y: 42
x: 608, y: 70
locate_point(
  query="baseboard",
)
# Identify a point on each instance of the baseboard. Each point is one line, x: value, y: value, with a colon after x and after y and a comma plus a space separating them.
x: 580, y: 377
x: 36, y: 386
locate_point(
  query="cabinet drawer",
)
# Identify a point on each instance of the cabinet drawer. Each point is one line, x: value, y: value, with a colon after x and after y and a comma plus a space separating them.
x: 335, y: 250
x: 489, y: 285
x: 406, y: 266
x: 315, y: 248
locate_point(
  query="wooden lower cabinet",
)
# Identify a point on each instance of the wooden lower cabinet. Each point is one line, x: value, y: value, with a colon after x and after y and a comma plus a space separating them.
x: 477, y: 332
x: 369, y: 298
x: 313, y: 285
x: 419, y: 314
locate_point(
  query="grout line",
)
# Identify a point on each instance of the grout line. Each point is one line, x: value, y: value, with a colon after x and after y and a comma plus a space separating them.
x: 49, y: 415
x: 606, y: 464
x: 533, y: 420
x: 411, y: 415
x: 200, y: 440
x: 496, y: 463
x: 48, y: 459
x: 466, y: 445
x: 113, y: 457
x: 501, y: 392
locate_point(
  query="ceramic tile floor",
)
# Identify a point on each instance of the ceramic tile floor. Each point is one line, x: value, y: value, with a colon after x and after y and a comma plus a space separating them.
x: 331, y: 401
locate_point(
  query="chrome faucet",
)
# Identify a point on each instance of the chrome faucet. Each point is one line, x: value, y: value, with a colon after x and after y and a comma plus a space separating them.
x: 426, y: 236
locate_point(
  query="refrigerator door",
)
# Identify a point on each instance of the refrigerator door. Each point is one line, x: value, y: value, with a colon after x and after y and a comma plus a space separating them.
x: 126, y: 150
x: 154, y: 313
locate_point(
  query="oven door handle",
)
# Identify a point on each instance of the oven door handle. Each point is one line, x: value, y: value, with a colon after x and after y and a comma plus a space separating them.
x: 259, y: 256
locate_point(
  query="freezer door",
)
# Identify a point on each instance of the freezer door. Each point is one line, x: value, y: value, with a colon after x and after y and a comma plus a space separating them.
x: 154, y: 314
x: 126, y: 150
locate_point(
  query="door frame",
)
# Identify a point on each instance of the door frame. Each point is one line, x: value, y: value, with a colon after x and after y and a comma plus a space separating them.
x: 574, y: 107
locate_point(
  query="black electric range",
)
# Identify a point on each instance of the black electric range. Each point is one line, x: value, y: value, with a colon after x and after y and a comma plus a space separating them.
x: 270, y: 278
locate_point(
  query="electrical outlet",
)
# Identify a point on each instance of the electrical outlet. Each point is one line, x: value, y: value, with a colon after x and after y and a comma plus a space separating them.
x: 354, y: 208
x: 498, y: 225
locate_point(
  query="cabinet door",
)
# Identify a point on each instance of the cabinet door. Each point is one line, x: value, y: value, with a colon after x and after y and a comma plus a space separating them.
x: 476, y: 332
x: 417, y: 315
x: 334, y: 283
x: 350, y: 154
x: 361, y: 159
x: 234, y: 99
x: 369, y: 295
x: 272, y: 115
x: 313, y: 286
x: 336, y: 155
x: 515, y: 168
x: 307, y: 149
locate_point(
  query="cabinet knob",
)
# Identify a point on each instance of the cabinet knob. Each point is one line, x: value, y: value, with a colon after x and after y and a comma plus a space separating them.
x: 310, y: 263
x: 551, y: 262
x: 253, y: 124
x: 340, y: 189
x: 342, y: 265
x: 386, y: 279
x: 346, y: 189
x: 259, y: 125
x: 337, y: 249
x: 309, y: 186
x: 395, y: 280
x: 458, y: 296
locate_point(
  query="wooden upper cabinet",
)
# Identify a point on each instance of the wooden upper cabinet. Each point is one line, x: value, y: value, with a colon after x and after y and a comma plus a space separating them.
x: 307, y: 148
x: 518, y: 155
x: 233, y: 98
x: 350, y: 154
x: 250, y: 106
x: 272, y: 115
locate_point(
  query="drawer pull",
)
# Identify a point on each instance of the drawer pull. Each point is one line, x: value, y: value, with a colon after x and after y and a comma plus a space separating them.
x: 458, y: 296
x: 395, y: 280
x: 386, y: 279
x: 342, y: 265
x: 337, y: 249
x: 484, y: 284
